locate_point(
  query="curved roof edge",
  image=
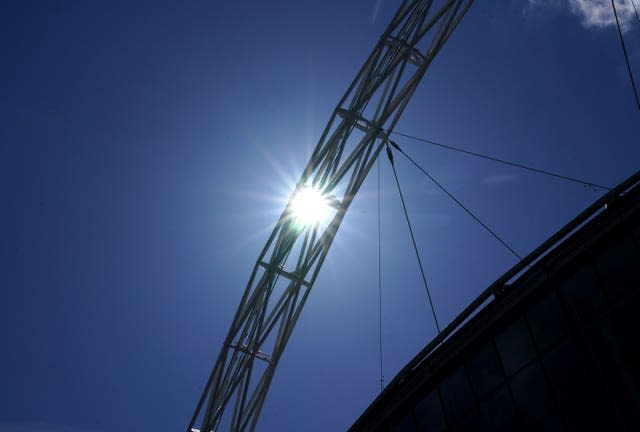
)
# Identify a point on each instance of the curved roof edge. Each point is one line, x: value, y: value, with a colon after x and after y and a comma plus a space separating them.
x: 520, y: 271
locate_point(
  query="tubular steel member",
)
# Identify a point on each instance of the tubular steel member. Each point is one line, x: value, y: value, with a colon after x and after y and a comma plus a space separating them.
x: 350, y: 144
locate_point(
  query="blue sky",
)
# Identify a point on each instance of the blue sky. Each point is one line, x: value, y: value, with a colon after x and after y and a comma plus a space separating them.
x: 146, y: 151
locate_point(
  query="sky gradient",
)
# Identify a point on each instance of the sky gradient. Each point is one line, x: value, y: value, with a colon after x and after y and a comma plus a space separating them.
x: 147, y: 149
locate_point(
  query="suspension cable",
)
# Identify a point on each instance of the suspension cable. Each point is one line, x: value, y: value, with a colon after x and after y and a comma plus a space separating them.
x: 502, y: 161
x: 415, y: 247
x: 380, y: 285
x: 626, y: 56
x: 489, y: 230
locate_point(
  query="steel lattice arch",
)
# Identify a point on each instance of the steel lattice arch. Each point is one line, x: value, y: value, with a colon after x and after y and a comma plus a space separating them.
x: 287, y: 267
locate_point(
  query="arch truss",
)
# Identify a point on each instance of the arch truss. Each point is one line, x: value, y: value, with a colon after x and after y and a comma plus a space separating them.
x: 287, y: 267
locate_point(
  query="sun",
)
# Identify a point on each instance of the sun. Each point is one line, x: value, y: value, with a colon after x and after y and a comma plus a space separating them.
x: 309, y: 206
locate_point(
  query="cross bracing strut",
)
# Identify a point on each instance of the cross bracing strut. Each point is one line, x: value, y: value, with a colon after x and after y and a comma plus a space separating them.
x: 347, y: 149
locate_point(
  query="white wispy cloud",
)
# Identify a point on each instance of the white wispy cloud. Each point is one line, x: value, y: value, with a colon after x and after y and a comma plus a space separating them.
x: 591, y: 13
x: 599, y: 13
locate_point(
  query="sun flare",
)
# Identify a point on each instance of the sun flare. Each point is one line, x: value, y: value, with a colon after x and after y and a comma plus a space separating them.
x: 309, y: 206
